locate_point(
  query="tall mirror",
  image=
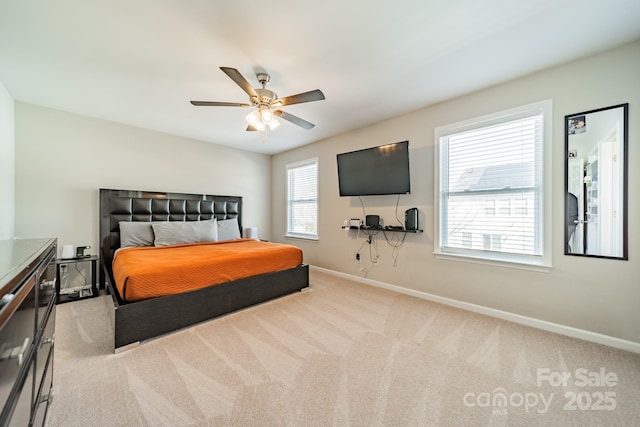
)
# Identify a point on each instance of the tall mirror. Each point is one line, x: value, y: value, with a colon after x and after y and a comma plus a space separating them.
x: 596, y: 183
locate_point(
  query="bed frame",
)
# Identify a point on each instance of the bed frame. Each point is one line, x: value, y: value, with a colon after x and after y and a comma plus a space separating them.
x: 141, y: 320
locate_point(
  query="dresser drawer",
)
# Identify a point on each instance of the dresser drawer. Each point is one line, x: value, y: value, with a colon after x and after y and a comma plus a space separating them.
x: 17, y: 333
x: 21, y: 415
x: 44, y: 366
x: 46, y: 280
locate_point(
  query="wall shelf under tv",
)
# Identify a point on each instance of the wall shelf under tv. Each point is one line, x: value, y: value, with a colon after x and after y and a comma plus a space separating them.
x: 395, y: 230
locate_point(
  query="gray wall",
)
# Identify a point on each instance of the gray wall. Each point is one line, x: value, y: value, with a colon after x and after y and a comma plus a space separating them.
x: 7, y: 167
x: 595, y: 295
x: 62, y: 160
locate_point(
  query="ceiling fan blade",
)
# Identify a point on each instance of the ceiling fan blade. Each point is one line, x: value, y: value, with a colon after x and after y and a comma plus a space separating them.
x: 294, y: 119
x: 251, y: 129
x: 219, y: 104
x: 314, y: 95
x: 240, y: 80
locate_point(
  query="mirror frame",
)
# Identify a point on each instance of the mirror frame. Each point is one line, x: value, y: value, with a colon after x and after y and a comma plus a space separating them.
x: 625, y: 181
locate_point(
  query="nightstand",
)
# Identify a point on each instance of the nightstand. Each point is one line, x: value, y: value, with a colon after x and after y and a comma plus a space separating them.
x: 77, y: 278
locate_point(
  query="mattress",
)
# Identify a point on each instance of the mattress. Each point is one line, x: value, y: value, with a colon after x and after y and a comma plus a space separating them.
x: 155, y: 271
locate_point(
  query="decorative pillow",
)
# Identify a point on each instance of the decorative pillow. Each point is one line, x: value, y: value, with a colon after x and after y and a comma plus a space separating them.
x: 176, y: 232
x: 228, y: 229
x: 135, y: 233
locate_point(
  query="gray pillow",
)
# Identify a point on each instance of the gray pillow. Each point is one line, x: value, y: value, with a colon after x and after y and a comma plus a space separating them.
x: 228, y: 229
x: 135, y: 233
x: 176, y: 232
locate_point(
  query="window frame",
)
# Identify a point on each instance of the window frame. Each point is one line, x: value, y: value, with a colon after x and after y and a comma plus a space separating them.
x: 542, y: 262
x: 288, y: 168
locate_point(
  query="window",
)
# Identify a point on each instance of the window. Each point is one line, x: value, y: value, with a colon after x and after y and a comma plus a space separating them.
x: 484, y: 166
x: 490, y: 207
x: 504, y: 207
x: 302, y: 199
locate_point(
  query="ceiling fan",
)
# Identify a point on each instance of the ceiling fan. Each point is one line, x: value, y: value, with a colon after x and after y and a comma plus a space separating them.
x: 266, y: 102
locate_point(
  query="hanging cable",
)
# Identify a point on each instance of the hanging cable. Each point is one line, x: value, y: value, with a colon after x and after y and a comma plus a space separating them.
x: 397, y: 202
x: 364, y: 214
x: 395, y: 242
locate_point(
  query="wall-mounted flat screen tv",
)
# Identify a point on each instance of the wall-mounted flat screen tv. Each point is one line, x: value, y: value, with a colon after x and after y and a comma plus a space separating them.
x: 375, y: 171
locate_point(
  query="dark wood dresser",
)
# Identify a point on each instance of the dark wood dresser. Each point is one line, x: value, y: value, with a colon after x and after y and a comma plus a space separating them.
x: 27, y: 329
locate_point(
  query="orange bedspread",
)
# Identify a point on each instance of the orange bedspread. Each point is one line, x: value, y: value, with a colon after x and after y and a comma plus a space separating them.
x: 155, y: 271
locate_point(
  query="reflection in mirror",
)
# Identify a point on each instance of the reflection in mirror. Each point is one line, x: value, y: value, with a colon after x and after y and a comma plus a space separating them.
x: 596, y: 183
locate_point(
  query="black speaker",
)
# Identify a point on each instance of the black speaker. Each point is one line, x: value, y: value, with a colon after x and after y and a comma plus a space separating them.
x: 372, y: 221
x: 411, y: 219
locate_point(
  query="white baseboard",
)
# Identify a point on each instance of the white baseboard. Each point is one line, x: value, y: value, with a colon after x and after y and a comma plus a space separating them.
x: 504, y: 315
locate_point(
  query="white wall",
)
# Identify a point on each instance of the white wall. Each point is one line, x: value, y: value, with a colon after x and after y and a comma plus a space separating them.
x: 597, y: 295
x: 63, y: 159
x: 7, y: 169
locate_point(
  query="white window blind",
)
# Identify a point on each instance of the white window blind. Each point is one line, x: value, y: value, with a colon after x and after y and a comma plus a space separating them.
x: 491, y: 188
x: 302, y: 199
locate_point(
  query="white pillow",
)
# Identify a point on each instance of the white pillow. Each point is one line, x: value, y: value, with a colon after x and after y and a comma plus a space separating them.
x: 228, y: 229
x: 136, y: 233
x: 176, y: 232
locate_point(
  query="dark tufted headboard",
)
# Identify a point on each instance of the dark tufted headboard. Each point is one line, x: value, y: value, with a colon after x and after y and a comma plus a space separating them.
x: 129, y: 205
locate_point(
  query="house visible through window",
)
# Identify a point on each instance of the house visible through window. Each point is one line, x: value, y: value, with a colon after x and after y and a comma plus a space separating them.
x: 302, y: 199
x: 491, y: 187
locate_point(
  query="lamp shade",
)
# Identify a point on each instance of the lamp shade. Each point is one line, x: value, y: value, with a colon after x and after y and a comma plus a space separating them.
x: 274, y: 123
x: 266, y: 115
x: 67, y: 252
x: 254, y: 119
x: 250, y: 232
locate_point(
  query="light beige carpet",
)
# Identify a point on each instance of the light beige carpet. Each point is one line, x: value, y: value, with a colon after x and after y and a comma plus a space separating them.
x: 340, y: 354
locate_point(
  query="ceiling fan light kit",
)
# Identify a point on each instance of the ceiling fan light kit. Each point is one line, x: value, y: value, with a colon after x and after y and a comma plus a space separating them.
x: 259, y: 119
x: 264, y: 101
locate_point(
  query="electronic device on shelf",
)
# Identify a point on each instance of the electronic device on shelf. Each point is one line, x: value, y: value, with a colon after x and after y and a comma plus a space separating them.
x: 68, y: 252
x: 372, y: 221
x: 411, y: 219
x: 80, y: 252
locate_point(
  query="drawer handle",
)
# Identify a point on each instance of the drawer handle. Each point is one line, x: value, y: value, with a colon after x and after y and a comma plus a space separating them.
x: 16, y: 352
x: 46, y: 397
x: 48, y: 283
x: 50, y: 340
x: 6, y: 300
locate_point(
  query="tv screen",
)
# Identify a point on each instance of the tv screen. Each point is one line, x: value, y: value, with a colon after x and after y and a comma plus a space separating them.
x: 375, y: 171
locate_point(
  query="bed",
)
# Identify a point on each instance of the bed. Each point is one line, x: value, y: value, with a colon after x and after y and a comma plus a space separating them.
x: 136, y: 319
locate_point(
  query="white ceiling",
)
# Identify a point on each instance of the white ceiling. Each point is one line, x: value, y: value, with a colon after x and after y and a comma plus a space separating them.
x: 140, y: 62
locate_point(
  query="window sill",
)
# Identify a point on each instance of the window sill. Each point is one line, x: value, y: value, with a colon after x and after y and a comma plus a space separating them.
x: 504, y: 263
x: 300, y: 236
